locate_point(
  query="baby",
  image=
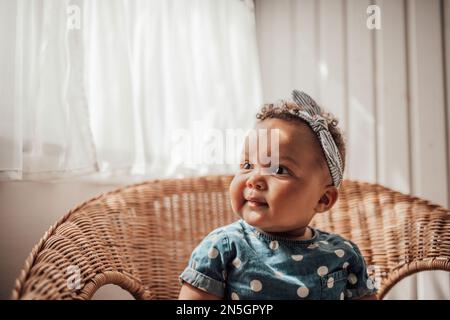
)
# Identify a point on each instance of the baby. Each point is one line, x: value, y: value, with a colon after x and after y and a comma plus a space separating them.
x: 272, y: 252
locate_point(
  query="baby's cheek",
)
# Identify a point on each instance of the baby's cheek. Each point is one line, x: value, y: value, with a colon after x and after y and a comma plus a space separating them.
x: 236, y: 193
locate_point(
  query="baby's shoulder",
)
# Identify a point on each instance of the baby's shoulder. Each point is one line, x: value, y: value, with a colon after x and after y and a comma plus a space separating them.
x: 231, y: 232
x: 338, y: 243
x: 224, y: 240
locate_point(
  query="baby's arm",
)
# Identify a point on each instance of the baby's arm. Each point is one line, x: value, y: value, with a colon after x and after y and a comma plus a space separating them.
x: 205, y: 276
x: 189, y: 292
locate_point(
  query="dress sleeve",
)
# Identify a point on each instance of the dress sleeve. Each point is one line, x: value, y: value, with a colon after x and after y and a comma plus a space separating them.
x: 207, y: 264
x: 359, y: 284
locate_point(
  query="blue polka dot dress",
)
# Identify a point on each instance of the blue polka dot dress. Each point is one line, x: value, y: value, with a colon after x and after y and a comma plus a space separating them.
x: 240, y: 262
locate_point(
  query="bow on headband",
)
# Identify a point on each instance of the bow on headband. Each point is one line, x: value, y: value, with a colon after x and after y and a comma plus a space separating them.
x: 310, y: 112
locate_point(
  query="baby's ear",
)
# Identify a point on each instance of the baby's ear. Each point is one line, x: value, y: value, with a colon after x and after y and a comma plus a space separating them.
x: 328, y: 199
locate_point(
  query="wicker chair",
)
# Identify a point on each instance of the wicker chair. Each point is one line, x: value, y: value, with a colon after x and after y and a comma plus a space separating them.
x: 140, y: 237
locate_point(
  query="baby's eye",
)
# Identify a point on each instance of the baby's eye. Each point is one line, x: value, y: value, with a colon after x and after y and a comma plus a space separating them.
x: 246, y: 165
x: 279, y: 170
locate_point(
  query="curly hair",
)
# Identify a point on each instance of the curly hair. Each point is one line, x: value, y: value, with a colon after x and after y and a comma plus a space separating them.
x: 281, y: 110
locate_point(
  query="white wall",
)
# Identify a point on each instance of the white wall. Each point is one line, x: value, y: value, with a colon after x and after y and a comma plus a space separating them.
x: 389, y: 87
x: 27, y: 210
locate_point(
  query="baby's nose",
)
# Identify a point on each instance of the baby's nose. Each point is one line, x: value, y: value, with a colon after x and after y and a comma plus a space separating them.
x: 256, y: 181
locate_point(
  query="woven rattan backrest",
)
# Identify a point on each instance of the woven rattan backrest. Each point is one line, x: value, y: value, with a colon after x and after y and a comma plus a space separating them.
x: 398, y: 234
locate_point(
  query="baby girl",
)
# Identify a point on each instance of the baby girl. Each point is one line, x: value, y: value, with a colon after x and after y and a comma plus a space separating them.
x: 272, y: 252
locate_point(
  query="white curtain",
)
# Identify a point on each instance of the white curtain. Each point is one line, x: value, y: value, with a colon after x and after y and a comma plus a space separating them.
x: 124, y: 87
x: 44, y: 127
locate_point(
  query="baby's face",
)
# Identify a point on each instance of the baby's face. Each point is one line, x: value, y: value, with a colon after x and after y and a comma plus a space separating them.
x: 284, y: 197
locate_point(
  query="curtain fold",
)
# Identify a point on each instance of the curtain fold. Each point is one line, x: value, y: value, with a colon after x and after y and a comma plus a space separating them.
x: 124, y: 92
x: 44, y: 120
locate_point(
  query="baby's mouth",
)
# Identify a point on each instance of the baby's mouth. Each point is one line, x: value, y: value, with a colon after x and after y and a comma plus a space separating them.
x: 256, y: 202
x: 253, y: 204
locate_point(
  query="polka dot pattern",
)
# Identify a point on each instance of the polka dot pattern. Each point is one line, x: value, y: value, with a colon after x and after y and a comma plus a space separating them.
x: 213, y: 253
x: 237, y: 262
x: 302, y: 292
x: 330, y: 282
x: 255, y: 285
x: 274, y: 245
x: 352, y: 278
x: 297, y: 257
x: 321, y: 271
x: 339, y: 252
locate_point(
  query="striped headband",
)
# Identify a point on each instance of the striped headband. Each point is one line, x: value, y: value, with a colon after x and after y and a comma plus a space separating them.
x: 311, y: 114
